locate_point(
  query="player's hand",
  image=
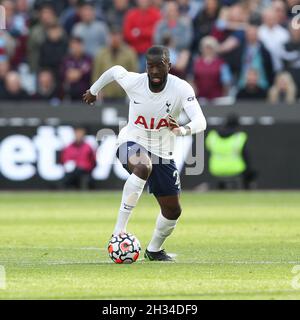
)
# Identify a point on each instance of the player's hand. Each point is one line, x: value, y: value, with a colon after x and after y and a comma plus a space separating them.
x: 89, y: 98
x: 177, y: 131
x: 172, y: 123
x: 174, y: 126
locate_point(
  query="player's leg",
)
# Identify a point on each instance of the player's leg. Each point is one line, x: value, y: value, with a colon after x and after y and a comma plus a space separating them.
x: 170, y: 211
x: 164, y: 183
x: 140, y: 166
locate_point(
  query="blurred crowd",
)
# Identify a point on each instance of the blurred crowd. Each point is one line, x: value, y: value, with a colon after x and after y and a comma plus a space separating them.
x: 54, y: 50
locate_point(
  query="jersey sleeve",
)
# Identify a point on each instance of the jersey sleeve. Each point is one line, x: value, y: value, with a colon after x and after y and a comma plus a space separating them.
x: 116, y: 73
x: 192, y: 108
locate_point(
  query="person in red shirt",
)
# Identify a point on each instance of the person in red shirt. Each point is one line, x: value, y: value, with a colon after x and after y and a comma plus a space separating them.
x: 139, y: 26
x: 79, y: 159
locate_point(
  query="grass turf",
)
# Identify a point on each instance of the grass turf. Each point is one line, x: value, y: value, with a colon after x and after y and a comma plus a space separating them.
x: 228, y: 246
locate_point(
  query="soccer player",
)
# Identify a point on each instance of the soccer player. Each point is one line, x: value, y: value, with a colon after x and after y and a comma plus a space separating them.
x: 145, y: 145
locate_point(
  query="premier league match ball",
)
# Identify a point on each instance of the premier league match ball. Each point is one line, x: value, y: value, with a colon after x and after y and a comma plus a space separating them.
x: 124, y: 248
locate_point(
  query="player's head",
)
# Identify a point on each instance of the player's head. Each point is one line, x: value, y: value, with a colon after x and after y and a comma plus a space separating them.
x: 158, y: 65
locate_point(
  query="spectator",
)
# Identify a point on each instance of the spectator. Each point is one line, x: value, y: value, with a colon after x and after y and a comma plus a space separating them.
x: 212, y: 75
x: 230, y: 26
x: 70, y: 16
x: 230, y: 31
x: 229, y: 157
x: 76, y: 70
x: 18, y: 30
x: 292, y: 56
x: 12, y: 88
x: 79, y: 160
x: 116, y: 53
x: 46, y: 18
x: 139, y: 26
x: 16, y: 24
x: 254, y: 9
x: 189, y: 8
x: 283, y: 90
x: 53, y: 49
x: 7, y: 45
x: 179, y: 59
x: 4, y: 69
x: 280, y: 9
x: 178, y: 28
x: 274, y: 37
x: 46, y: 87
x: 93, y: 32
x: 204, y: 21
x: 252, y: 89
x: 116, y: 14
x: 158, y: 4
x: 253, y: 55
x: 23, y: 9
x: 58, y: 6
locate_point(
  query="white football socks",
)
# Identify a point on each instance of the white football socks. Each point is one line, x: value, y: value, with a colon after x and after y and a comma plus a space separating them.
x: 163, y: 229
x: 132, y: 191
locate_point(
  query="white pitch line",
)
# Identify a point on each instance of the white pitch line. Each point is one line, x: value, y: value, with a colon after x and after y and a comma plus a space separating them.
x: 64, y: 262
x: 173, y: 255
x: 242, y: 262
x: 214, y: 293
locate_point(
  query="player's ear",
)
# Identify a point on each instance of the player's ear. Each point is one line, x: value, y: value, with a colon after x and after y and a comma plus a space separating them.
x: 170, y: 66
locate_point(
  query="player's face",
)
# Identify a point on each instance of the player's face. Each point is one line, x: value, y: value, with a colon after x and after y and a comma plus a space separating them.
x: 158, y: 69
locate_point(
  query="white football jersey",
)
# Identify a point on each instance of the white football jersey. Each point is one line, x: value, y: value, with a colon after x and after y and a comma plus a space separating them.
x: 148, y: 111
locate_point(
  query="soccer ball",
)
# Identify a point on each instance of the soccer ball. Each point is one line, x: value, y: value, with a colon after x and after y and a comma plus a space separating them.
x: 124, y: 248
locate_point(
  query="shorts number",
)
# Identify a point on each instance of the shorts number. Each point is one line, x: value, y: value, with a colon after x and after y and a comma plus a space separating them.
x: 296, y: 19
x: 176, y: 175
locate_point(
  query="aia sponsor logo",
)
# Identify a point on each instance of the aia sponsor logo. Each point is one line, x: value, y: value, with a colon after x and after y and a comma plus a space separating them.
x: 152, y: 124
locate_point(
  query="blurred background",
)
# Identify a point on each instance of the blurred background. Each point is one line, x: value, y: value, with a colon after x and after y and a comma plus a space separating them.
x: 241, y: 57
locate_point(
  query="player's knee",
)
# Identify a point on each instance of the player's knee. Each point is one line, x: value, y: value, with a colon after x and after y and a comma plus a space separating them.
x: 177, y: 212
x: 172, y: 212
x: 143, y: 171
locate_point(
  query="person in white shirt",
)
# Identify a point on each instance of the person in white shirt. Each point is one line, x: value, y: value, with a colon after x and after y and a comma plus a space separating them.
x: 274, y: 37
x: 146, y: 144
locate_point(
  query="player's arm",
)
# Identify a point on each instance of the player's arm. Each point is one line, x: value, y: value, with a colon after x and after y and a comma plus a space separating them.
x: 113, y: 74
x: 193, y: 110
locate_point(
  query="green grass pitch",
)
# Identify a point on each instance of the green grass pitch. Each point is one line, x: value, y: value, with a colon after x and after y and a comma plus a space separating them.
x: 228, y: 246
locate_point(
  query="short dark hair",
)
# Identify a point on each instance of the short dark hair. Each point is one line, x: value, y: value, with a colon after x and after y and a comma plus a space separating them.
x: 80, y: 127
x: 76, y: 39
x: 82, y: 3
x: 161, y: 51
x: 45, y: 5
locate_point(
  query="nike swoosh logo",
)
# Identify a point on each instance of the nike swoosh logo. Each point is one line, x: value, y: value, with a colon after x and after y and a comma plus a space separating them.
x: 136, y: 102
